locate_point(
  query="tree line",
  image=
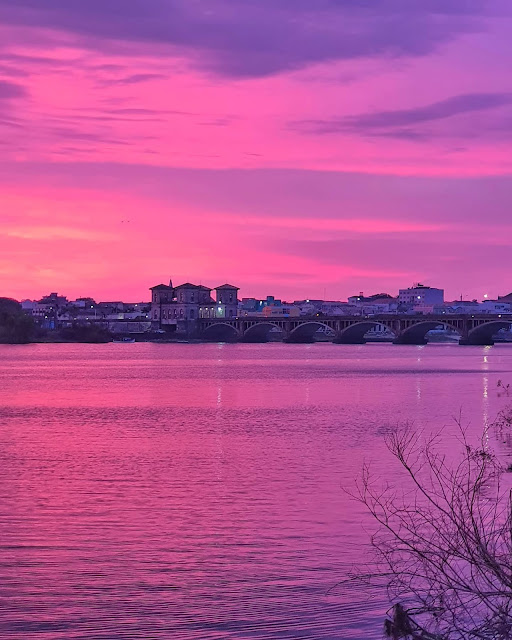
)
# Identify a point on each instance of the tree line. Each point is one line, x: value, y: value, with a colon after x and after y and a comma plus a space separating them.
x: 17, y: 327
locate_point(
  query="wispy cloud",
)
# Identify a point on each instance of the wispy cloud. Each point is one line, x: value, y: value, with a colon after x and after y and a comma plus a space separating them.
x: 138, y: 78
x: 435, y: 111
x: 400, y: 123
x: 50, y: 233
x: 368, y: 226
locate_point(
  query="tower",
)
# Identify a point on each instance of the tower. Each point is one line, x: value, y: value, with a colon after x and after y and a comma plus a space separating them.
x: 227, y: 300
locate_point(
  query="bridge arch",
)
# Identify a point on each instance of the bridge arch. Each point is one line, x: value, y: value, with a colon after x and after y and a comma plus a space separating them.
x: 484, y: 333
x: 260, y: 331
x: 354, y: 334
x: 305, y: 331
x: 416, y: 333
x: 220, y: 332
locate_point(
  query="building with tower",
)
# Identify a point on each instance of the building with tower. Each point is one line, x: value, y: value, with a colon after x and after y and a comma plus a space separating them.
x: 177, y: 309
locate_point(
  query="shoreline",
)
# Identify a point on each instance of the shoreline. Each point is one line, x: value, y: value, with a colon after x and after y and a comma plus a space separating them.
x: 199, y: 341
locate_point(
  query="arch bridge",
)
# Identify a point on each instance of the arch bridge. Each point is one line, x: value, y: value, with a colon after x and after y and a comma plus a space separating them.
x: 473, y: 330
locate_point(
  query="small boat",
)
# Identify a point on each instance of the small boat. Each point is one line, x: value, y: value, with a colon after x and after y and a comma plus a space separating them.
x: 123, y: 339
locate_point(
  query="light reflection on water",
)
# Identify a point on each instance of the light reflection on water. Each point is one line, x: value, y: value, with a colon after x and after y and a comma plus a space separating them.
x: 195, y: 491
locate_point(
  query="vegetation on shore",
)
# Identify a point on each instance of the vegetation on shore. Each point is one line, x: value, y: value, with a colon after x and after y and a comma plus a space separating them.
x: 16, y: 327
x: 83, y: 333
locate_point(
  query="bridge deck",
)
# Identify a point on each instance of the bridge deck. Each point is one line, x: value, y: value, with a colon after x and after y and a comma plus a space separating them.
x: 474, y: 329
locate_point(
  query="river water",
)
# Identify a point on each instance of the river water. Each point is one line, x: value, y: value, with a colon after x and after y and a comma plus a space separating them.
x: 184, y: 491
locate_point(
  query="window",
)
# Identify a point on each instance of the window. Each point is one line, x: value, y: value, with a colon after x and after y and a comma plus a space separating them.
x: 191, y: 314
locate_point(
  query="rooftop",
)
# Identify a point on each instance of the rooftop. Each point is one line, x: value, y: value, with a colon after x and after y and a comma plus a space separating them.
x: 419, y: 286
x: 375, y: 296
x: 161, y: 286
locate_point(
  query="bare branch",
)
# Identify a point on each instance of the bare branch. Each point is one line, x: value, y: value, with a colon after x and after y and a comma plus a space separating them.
x: 444, y: 543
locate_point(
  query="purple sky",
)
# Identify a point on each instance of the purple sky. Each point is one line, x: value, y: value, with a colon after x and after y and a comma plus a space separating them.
x: 295, y: 148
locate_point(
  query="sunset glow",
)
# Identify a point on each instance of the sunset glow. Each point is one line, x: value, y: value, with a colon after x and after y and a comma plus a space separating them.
x: 298, y: 149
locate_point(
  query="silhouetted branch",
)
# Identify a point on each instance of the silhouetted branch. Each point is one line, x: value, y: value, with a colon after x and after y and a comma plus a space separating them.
x: 445, y: 542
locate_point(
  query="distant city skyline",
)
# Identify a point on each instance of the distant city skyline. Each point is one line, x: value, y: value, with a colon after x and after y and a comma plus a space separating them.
x: 297, y: 146
x: 397, y: 295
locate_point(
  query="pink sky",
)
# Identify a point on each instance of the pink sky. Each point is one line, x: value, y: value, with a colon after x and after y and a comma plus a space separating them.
x: 293, y: 148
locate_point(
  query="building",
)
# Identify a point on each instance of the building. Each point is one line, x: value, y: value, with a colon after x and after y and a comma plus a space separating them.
x: 502, y: 305
x: 496, y: 306
x: 283, y: 310
x: 309, y: 307
x: 53, y: 300
x: 336, y: 308
x: 429, y: 309
x: 376, y: 299
x: 177, y: 309
x: 267, y: 308
x: 84, y: 303
x: 462, y: 307
x: 227, y: 301
x: 420, y: 295
x: 255, y: 306
x: 46, y: 312
x: 376, y: 304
